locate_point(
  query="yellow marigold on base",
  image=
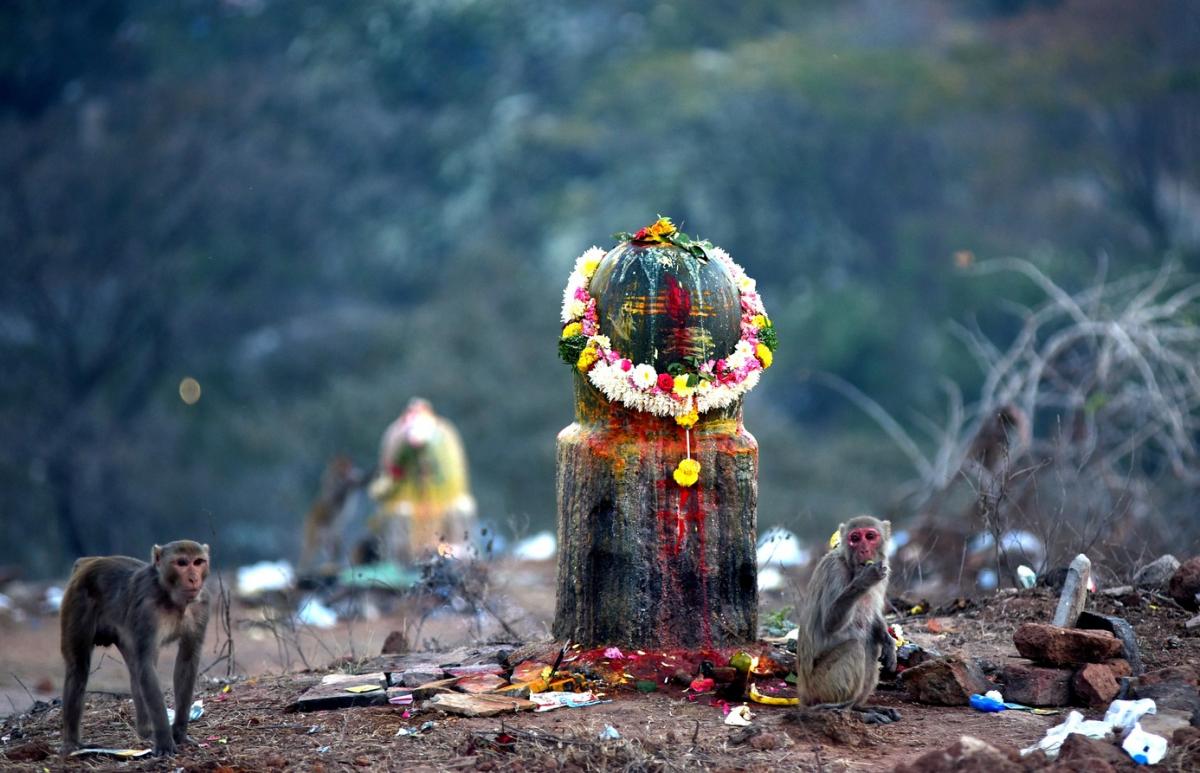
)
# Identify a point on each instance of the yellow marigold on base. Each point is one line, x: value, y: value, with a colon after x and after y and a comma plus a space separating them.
x: 573, y: 329
x: 687, y: 473
x: 764, y: 355
x: 689, y: 419
x: 759, y: 321
x: 587, y: 358
x: 590, y: 264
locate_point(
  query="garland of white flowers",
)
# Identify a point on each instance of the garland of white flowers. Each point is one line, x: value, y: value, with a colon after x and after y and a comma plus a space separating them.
x: 714, y: 384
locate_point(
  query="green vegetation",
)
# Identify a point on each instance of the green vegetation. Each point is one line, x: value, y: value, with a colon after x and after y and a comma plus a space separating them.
x: 319, y: 210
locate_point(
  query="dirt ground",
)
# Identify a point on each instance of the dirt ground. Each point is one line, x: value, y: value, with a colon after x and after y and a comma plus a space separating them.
x: 250, y: 727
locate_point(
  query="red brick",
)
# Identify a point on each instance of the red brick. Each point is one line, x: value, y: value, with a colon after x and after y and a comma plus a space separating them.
x: 1065, y: 646
x: 1036, y: 685
x: 1094, y: 685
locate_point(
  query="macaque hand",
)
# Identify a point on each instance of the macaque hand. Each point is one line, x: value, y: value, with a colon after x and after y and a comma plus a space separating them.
x: 889, y: 659
x: 870, y: 574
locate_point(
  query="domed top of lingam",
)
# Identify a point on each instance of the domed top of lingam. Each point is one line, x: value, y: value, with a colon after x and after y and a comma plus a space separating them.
x: 665, y: 324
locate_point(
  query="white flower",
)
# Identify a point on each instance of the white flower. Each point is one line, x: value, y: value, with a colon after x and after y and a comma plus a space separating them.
x: 573, y: 310
x: 644, y: 376
x: 746, y: 284
x: 704, y: 387
x: 601, y: 341
x: 585, y: 264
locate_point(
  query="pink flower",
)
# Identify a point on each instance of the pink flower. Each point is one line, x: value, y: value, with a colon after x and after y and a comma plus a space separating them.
x: 626, y: 365
x: 665, y: 382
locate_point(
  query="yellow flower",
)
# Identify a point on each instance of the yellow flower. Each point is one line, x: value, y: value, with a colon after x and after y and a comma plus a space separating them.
x: 689, y: 419
x: 587, y: 358
x: 759, y: 321
x: 590, y: 264
x: 663, y: 227
x: 764, y: 355
x: 573, y: 329
x: 687, y: 473
x: 681, y: 386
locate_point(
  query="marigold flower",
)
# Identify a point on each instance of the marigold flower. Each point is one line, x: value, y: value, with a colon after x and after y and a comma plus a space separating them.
x: 687, y: 472
x: 590, y: 264
x: 662, y: 228
x: 764, y: 355
x: 587, y: 358
x: 689, y: 419
x: 759, y: 321
x: 573, y: 329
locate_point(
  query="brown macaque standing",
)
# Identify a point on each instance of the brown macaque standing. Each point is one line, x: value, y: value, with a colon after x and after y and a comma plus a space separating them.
x: 842, y: 632
x: 138, y: 607
x: 340, y: 480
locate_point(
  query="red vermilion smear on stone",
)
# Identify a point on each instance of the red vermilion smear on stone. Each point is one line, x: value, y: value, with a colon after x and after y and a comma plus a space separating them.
x: 678, y: 304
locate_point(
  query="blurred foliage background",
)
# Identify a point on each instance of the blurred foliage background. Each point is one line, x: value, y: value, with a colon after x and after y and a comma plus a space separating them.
x: 318, y: 210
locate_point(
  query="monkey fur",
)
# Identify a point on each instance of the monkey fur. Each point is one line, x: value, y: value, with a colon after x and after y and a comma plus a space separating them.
x: 139, y: 607
x: 842, y: 632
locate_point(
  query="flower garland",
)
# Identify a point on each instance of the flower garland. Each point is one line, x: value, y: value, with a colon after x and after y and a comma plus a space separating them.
x: 685, y: 390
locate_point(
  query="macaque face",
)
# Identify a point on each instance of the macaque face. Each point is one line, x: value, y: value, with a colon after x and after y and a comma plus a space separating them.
x: 183, y: 568
x: 866, y: 543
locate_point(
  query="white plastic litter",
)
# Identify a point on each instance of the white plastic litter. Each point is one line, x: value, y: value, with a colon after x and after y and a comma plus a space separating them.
x: 1123, y: 715
x: 1145, y: 748
x: 739, y: 716
x: 265, y: 576
x: 994, y: 695
x: 609, y: 733
x: 53, y: 598
x: 196, y: 712
x: 313, y: 612
x: 770, y: 578
x: 1120, y: 719
x: 1026, y: 576
x: 1075, y: 723
x: 780, y: 547
x: 540, y: 547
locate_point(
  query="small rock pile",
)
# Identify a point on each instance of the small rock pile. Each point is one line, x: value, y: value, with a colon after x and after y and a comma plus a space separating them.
x: 1064, y: 666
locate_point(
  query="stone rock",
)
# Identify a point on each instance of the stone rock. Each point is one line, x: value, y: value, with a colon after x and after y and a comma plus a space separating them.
x: 1185, y: 583
x: 419, y: 675
x: 1036, y: 685
x: 1094, y: 686
x: 34, y: 751
x: 436, y: 687
x: 1065, y: 646
x: 768, y: 741
x: 1119, y: 667
x: 1094, y: 754
x: 1169, y: 688
x: 1192, y: 624
x: 948, y: 681
x: 1074, y: 591
x: 480, y: 683
x: 1120, y: 628
x: 1185, y: 674
x: 1166, y: 722
x: 478, y: 705
x: 966, y: 755
x: 396, y: 643
x: 1157, y: 573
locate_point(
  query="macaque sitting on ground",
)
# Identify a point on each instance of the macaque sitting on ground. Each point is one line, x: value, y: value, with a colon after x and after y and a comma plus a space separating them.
x: 138, y: 607
x: 842, y: 630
